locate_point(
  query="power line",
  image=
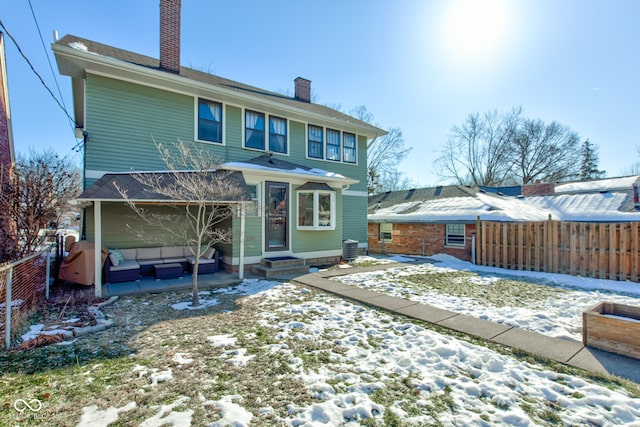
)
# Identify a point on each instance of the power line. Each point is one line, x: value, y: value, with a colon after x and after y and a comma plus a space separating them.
x: 35, y: 72
x: 53, y: 73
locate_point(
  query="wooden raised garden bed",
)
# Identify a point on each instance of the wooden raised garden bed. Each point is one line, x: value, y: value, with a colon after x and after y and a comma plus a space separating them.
x: 612, y: 327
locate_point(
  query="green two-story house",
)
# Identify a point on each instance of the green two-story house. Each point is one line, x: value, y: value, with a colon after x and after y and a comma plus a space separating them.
x: 305, y: 164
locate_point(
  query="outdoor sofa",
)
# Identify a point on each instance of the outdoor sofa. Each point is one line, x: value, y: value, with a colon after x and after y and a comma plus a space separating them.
x: 125, y: 265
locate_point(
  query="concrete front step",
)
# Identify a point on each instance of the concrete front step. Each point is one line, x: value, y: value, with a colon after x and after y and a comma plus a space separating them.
x: 278, y: 262
x: 278, y: 272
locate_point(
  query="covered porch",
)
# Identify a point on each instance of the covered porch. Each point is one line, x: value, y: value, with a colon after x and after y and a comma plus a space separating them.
x: 108, y: 191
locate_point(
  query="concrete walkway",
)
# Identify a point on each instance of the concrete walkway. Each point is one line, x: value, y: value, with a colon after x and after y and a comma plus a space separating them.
x: 571, y: 353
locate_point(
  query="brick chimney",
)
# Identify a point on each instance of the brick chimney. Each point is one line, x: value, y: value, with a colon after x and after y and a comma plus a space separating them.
x: 170, y: 35
x: 538, y: 189
x: 303, y: 89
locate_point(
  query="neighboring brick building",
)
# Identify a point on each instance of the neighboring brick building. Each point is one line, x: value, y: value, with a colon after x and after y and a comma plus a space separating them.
x: 443, y: 219
x: 7, y: 229
x: 420, y: 239
x: 435, y: 220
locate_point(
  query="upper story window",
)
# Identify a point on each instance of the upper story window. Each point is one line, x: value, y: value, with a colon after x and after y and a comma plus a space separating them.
x: 255, y: 134
x: 349, y: 147
x: 277, y: 134
x: 209, y: 121
x: 316, y: 142
x: 455, y: 235
x: 254, y: 130
x: 331, y: 144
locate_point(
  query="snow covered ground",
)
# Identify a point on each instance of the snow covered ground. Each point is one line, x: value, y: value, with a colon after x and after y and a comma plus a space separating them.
x: 557, y: 316
x: 366, y: 367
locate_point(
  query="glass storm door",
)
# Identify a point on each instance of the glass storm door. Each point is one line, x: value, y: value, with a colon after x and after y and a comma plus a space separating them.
x: 277, y: 216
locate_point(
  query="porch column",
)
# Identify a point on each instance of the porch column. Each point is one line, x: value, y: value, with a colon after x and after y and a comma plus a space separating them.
x: 97, y: 238
x: 241, y: 257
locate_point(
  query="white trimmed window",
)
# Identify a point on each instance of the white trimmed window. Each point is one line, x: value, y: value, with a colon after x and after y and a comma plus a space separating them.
x: 253, y: 209
x: 455, y: 235
x: 254, y: 130
x: 316, y: 210
x: 386, y: 231
x: 277, y: 134
x: 209, y: 121
x: 349, y: 147
x: 333, y: 145
x: 316, y: 142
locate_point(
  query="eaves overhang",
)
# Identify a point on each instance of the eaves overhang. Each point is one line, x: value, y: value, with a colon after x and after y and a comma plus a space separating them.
x: 77, y: 64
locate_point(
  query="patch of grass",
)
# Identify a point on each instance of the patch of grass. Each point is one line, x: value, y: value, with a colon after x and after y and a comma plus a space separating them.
x: 500, y: 293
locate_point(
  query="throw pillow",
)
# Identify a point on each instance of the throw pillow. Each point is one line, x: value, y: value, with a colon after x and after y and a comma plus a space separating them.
x: 209, y: 253
x: 116, y: 257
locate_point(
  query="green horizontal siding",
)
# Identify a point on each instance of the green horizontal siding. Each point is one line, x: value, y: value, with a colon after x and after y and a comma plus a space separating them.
x: 124, y: 119
x: 316, y: 240
x: 354, y: 218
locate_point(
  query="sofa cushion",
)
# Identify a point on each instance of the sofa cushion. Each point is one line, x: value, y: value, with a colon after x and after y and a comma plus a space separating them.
x: 189, y: 251
x: 209, y: 253
x: 148, y: 254
x: 192, y: 260
x: 172, y: 252
x: 128, y: 254
x: 150, y: 261
x: 125, y: 265
x: 114, y: 259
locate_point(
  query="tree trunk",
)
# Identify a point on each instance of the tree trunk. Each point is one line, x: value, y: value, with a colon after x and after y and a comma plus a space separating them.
x: 195, y: 301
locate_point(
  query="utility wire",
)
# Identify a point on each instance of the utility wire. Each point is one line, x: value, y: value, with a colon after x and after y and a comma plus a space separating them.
x: 53, y: 73
x: 35, y: 72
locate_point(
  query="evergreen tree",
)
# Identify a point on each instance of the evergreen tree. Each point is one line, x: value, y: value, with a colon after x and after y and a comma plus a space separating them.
x: 589, y: 162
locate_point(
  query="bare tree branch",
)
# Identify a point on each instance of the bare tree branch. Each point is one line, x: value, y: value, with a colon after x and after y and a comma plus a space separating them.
x: 36, y: 192
x: 198, y: 190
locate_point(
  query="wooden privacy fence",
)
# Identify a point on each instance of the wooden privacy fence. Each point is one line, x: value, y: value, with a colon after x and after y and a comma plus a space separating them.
x: 599, y: 250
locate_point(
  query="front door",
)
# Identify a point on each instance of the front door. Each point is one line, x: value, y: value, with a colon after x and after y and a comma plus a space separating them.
x: 277, y: 216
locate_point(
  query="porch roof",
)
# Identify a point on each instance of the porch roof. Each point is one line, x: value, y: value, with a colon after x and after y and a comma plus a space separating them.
x: 275, y: 166
x: 106, y: 188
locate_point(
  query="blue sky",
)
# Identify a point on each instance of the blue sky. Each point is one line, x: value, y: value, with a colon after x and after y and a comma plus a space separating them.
x: 422, y: 66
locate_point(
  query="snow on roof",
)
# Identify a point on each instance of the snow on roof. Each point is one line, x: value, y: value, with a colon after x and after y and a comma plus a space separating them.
x: 487, y: 207
x: 315, y: 172
x: 610, y: 184
x: 602, y: 206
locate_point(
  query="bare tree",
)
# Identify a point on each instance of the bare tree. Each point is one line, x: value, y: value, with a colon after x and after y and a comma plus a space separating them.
x: 549, y: 152
x: 477, y: 152
x: 37, y: 191
x: 504, y: 149
x: 384, y: 155
x: 197, y: 187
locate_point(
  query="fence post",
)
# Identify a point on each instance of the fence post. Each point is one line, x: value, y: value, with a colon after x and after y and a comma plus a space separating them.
x: 8, y: 309
x: 48, y: 274
x: 473, y: 249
